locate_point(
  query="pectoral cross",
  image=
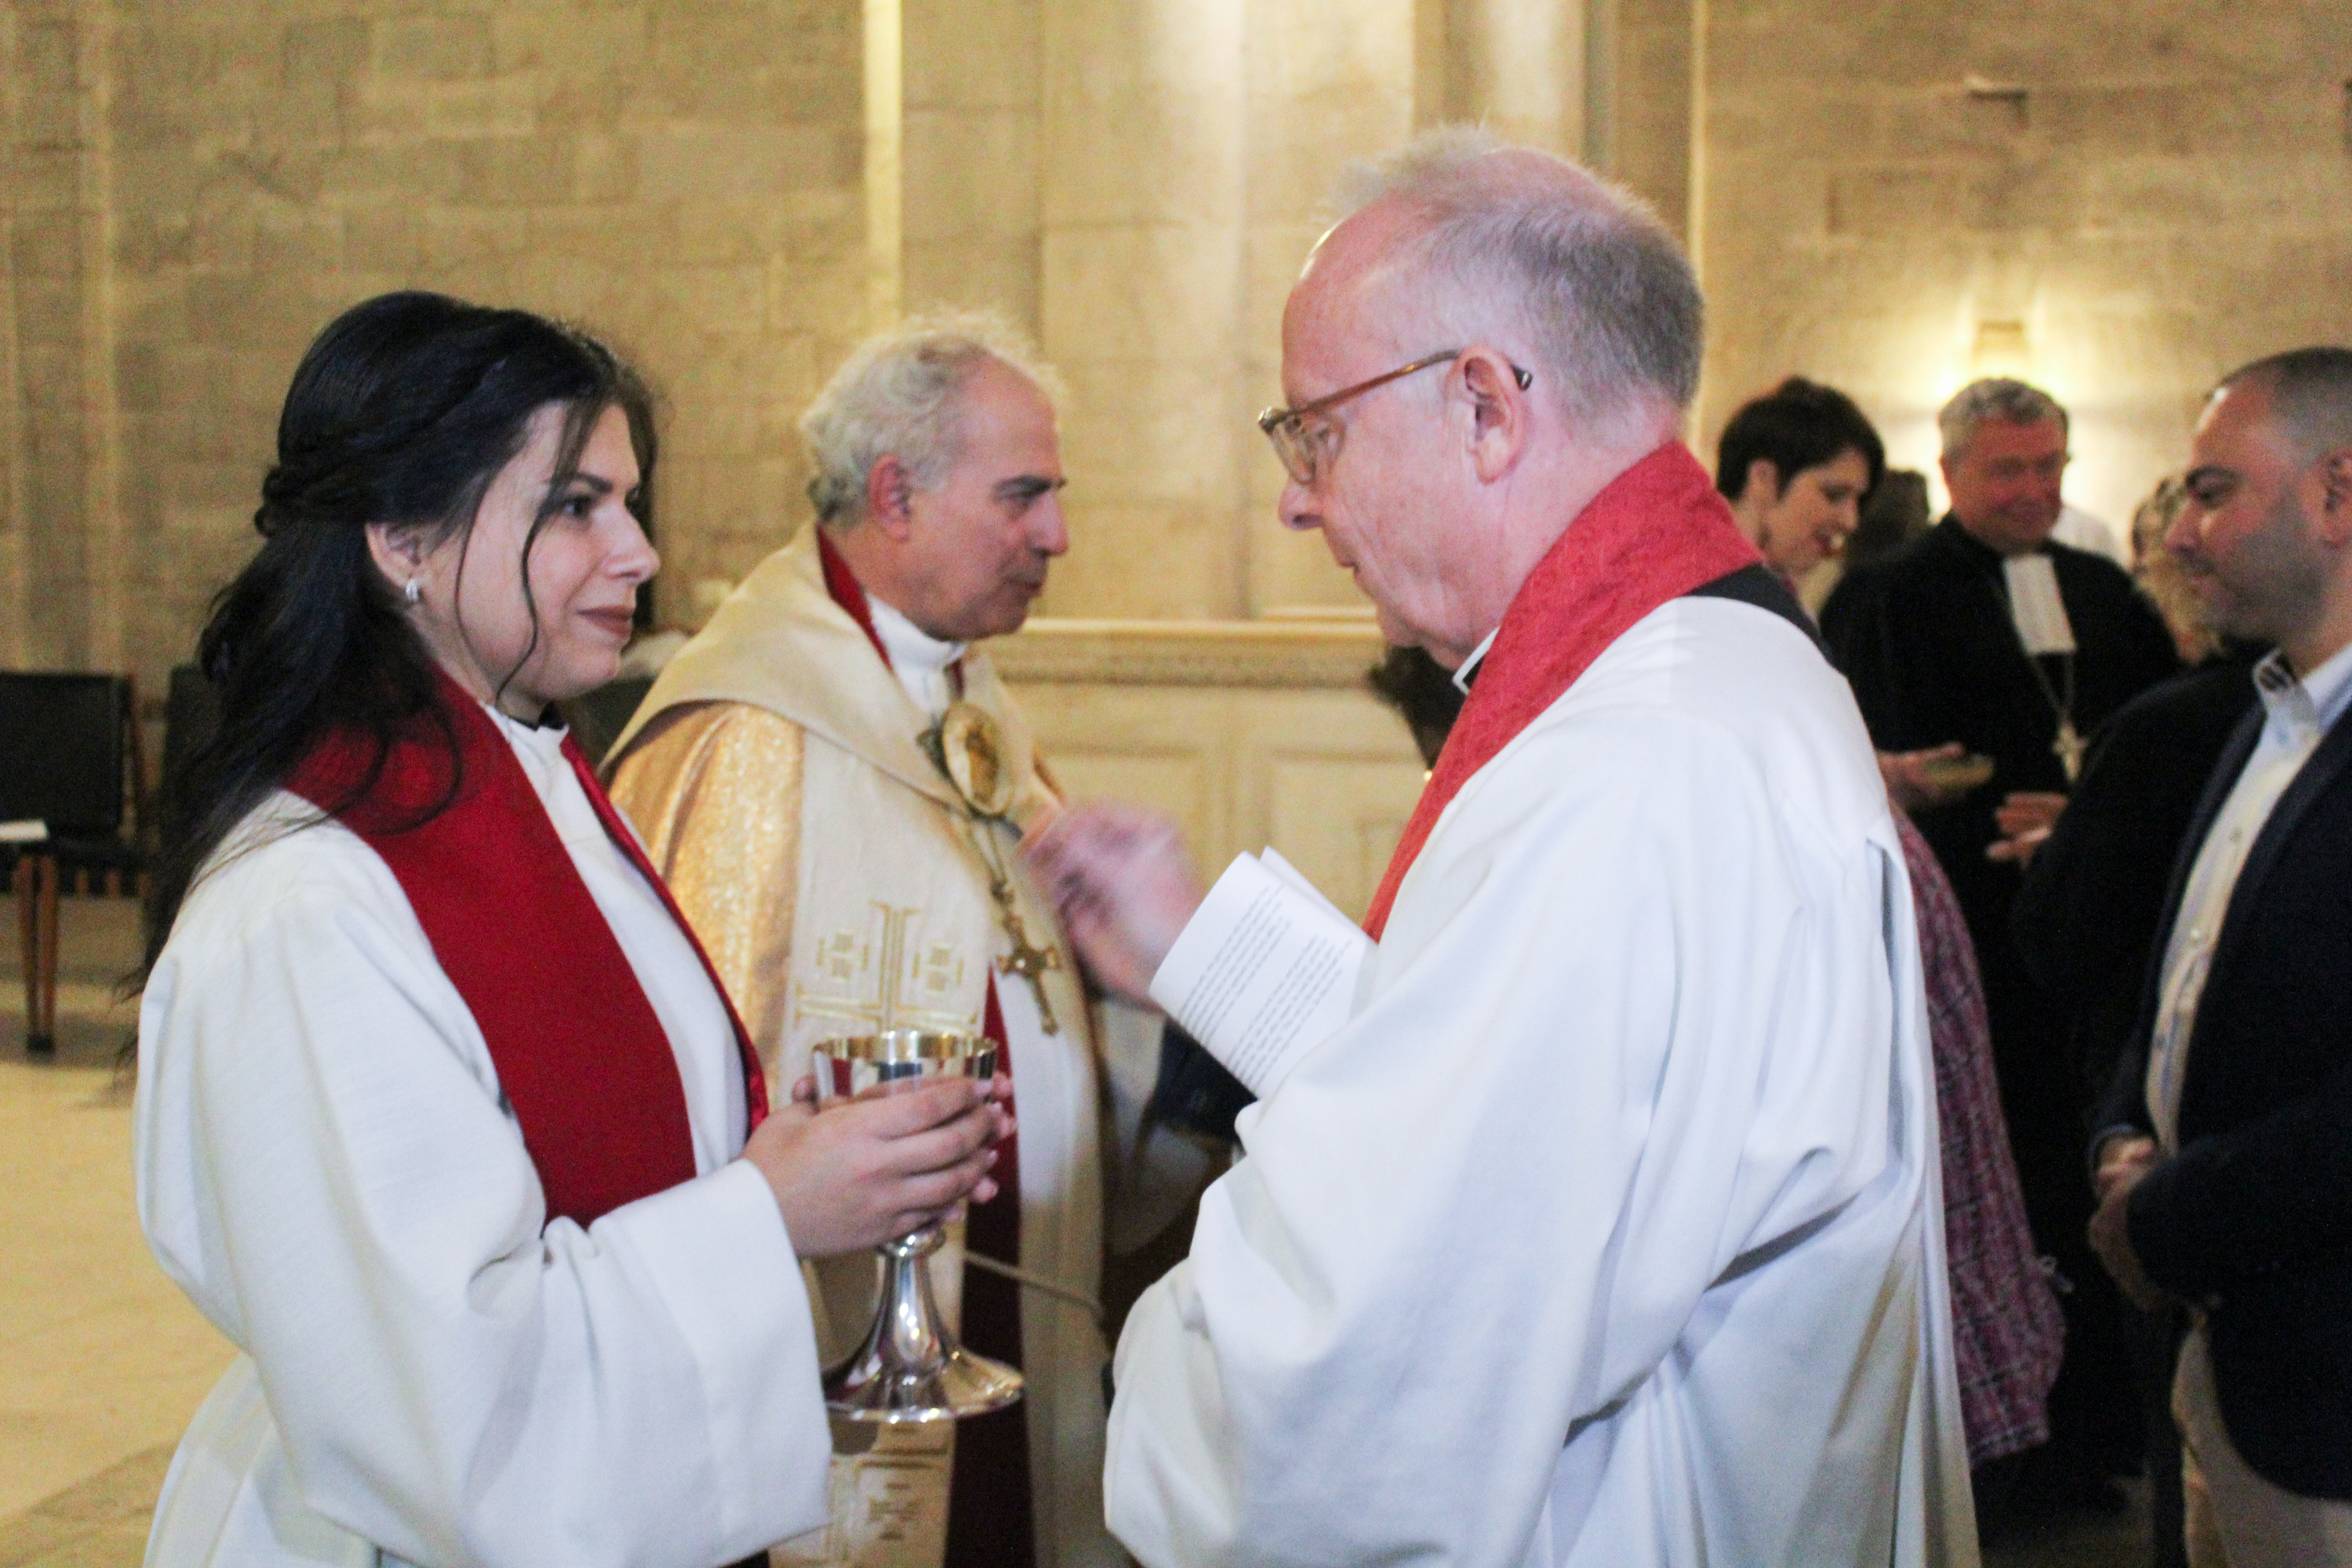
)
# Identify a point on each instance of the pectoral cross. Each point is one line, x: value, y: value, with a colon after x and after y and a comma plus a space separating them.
x: 2069, y: 748
x: 1029, y: 962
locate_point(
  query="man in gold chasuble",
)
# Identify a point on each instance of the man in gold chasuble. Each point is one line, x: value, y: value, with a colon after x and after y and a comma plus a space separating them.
x: 833, y: 782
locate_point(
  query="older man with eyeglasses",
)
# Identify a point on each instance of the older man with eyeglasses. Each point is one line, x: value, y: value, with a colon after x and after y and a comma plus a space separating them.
x: 1604, y: 1230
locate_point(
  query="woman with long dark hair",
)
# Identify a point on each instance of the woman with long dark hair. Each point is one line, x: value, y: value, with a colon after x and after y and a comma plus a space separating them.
x: 443, y: 1118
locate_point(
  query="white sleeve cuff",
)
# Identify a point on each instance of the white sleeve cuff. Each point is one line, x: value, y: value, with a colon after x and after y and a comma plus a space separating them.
x: 714, y: 1248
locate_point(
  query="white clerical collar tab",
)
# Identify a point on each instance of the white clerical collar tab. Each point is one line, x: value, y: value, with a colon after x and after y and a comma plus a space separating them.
x: 1464, y: 675
x: 2035, y: 605
x: 911, y: 647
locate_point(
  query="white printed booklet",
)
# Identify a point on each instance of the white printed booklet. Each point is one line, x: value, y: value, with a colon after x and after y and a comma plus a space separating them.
x: 1265, y: 971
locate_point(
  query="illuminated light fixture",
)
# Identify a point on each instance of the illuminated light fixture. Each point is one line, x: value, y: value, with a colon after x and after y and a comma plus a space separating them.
x: 2002, y: 349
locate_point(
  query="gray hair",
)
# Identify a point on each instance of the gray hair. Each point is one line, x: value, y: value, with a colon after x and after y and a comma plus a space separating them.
x: 1576, y: 266
x: 1994, y: 398
x: 899, y: 394
x: 2311, y: 394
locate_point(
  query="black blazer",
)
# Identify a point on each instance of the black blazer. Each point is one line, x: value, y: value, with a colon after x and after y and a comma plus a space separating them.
x: 2093, y: 894
x: 2253, y: 1217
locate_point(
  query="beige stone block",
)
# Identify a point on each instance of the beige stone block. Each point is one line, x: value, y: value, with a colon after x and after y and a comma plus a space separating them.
x: 233, y: 312
x: 48, y: 319
x: 1169, y: 293
x: 414, y: 171
x: 300, y: 115
x: 51, y: 121
x: 145, y: 245
x: 506, y: 106
x: 570, y: 40
x: 718, y: 62
x: 460, y: 236
x: 292, y: 242
x: 384, y: 235
x: 823, y: 225
x: 1290, y: 570
x: 46, y: 177
x: 704, y: 231
x: 47, y: 58
x: 47, y: 244
x: 139, y: 378
x: 1158, y: 159
x: 744, y: 164
x: 971, y: 55
x: 516, y: 171
x: 324, y: 48
x: 818, y: 297
x: 976, y: 274
x: 447, y: 47
x: 605, y: 168
x: 1133, y: 430
x: 1152, y: 561
x: 714, y: 302
x: 971, y: 174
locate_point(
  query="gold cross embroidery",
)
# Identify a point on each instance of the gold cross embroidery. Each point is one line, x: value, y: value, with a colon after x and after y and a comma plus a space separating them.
x: 845, y: 955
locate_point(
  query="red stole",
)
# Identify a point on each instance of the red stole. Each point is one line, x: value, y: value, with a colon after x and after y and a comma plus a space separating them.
x: 991, y: 1521
x: 581, y: 1055
x: 1654, y: 533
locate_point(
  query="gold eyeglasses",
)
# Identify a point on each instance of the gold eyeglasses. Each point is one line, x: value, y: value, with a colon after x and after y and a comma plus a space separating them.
x: 1300, y: 446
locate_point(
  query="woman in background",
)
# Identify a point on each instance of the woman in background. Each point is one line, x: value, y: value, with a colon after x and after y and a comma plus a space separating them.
x: 443, y: 1118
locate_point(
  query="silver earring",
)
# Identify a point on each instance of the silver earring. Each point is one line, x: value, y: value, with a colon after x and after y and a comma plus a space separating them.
x: 412, y: 593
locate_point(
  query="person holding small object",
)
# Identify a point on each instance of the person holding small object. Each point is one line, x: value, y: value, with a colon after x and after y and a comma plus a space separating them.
x: 1634, y: 1057
x: 442, y: 1117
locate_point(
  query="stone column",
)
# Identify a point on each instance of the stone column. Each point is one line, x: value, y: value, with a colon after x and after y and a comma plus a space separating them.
x: 64, y: 515
x: 970, y: 83
x: 1145, y: 183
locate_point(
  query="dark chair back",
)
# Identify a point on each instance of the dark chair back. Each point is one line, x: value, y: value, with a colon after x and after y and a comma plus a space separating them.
x: 190, y: 714
x: 66, y: 750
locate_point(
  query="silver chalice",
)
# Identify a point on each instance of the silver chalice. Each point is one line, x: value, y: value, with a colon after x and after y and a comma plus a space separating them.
x: 910, y: 1367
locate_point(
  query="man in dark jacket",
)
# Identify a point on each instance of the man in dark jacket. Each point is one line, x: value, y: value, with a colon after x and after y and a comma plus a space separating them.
x: 2225, y: 1174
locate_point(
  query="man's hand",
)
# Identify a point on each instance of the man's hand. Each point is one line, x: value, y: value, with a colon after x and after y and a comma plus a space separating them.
x: 1917, y: 781
x: 1124, y: 886
x: 2025, y: 819
x: 878, y: 1166
x: 2122, y: 1163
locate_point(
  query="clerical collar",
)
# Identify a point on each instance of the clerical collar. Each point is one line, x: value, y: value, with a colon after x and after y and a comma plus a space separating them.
x: 1469, y: 670
x: 919, y: 659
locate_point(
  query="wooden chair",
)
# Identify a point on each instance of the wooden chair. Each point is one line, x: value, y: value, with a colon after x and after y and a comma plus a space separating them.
x: 69, y: 761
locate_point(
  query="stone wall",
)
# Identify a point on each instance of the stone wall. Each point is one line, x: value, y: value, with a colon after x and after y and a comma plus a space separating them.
x: 2120, y: 201
x: 195, y: 190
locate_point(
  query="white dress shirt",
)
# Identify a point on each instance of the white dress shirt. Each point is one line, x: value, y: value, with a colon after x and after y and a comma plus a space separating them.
x: 2299, y: 713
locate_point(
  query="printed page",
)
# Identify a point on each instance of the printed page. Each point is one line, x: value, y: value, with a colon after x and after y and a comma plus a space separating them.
x: 1263, y: 972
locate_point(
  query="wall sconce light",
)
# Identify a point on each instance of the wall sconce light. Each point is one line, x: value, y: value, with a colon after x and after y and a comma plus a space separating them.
x: 2015, y: 95
x: 2002, y: 349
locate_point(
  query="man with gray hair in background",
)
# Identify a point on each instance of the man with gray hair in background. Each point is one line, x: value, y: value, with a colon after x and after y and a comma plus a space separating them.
x: 1604, y: 1229
x: 833, y: 782
x: 1985, y: 633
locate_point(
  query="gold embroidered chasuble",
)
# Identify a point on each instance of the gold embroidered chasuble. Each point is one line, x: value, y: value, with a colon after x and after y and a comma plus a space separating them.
x: 832, y: 872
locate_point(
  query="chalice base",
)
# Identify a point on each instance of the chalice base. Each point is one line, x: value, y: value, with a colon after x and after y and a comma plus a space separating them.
x: 962, y: 1385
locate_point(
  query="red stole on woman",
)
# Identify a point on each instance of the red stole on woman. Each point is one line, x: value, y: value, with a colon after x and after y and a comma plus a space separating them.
x: 1656, y: 532
x: 581, y: 1058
